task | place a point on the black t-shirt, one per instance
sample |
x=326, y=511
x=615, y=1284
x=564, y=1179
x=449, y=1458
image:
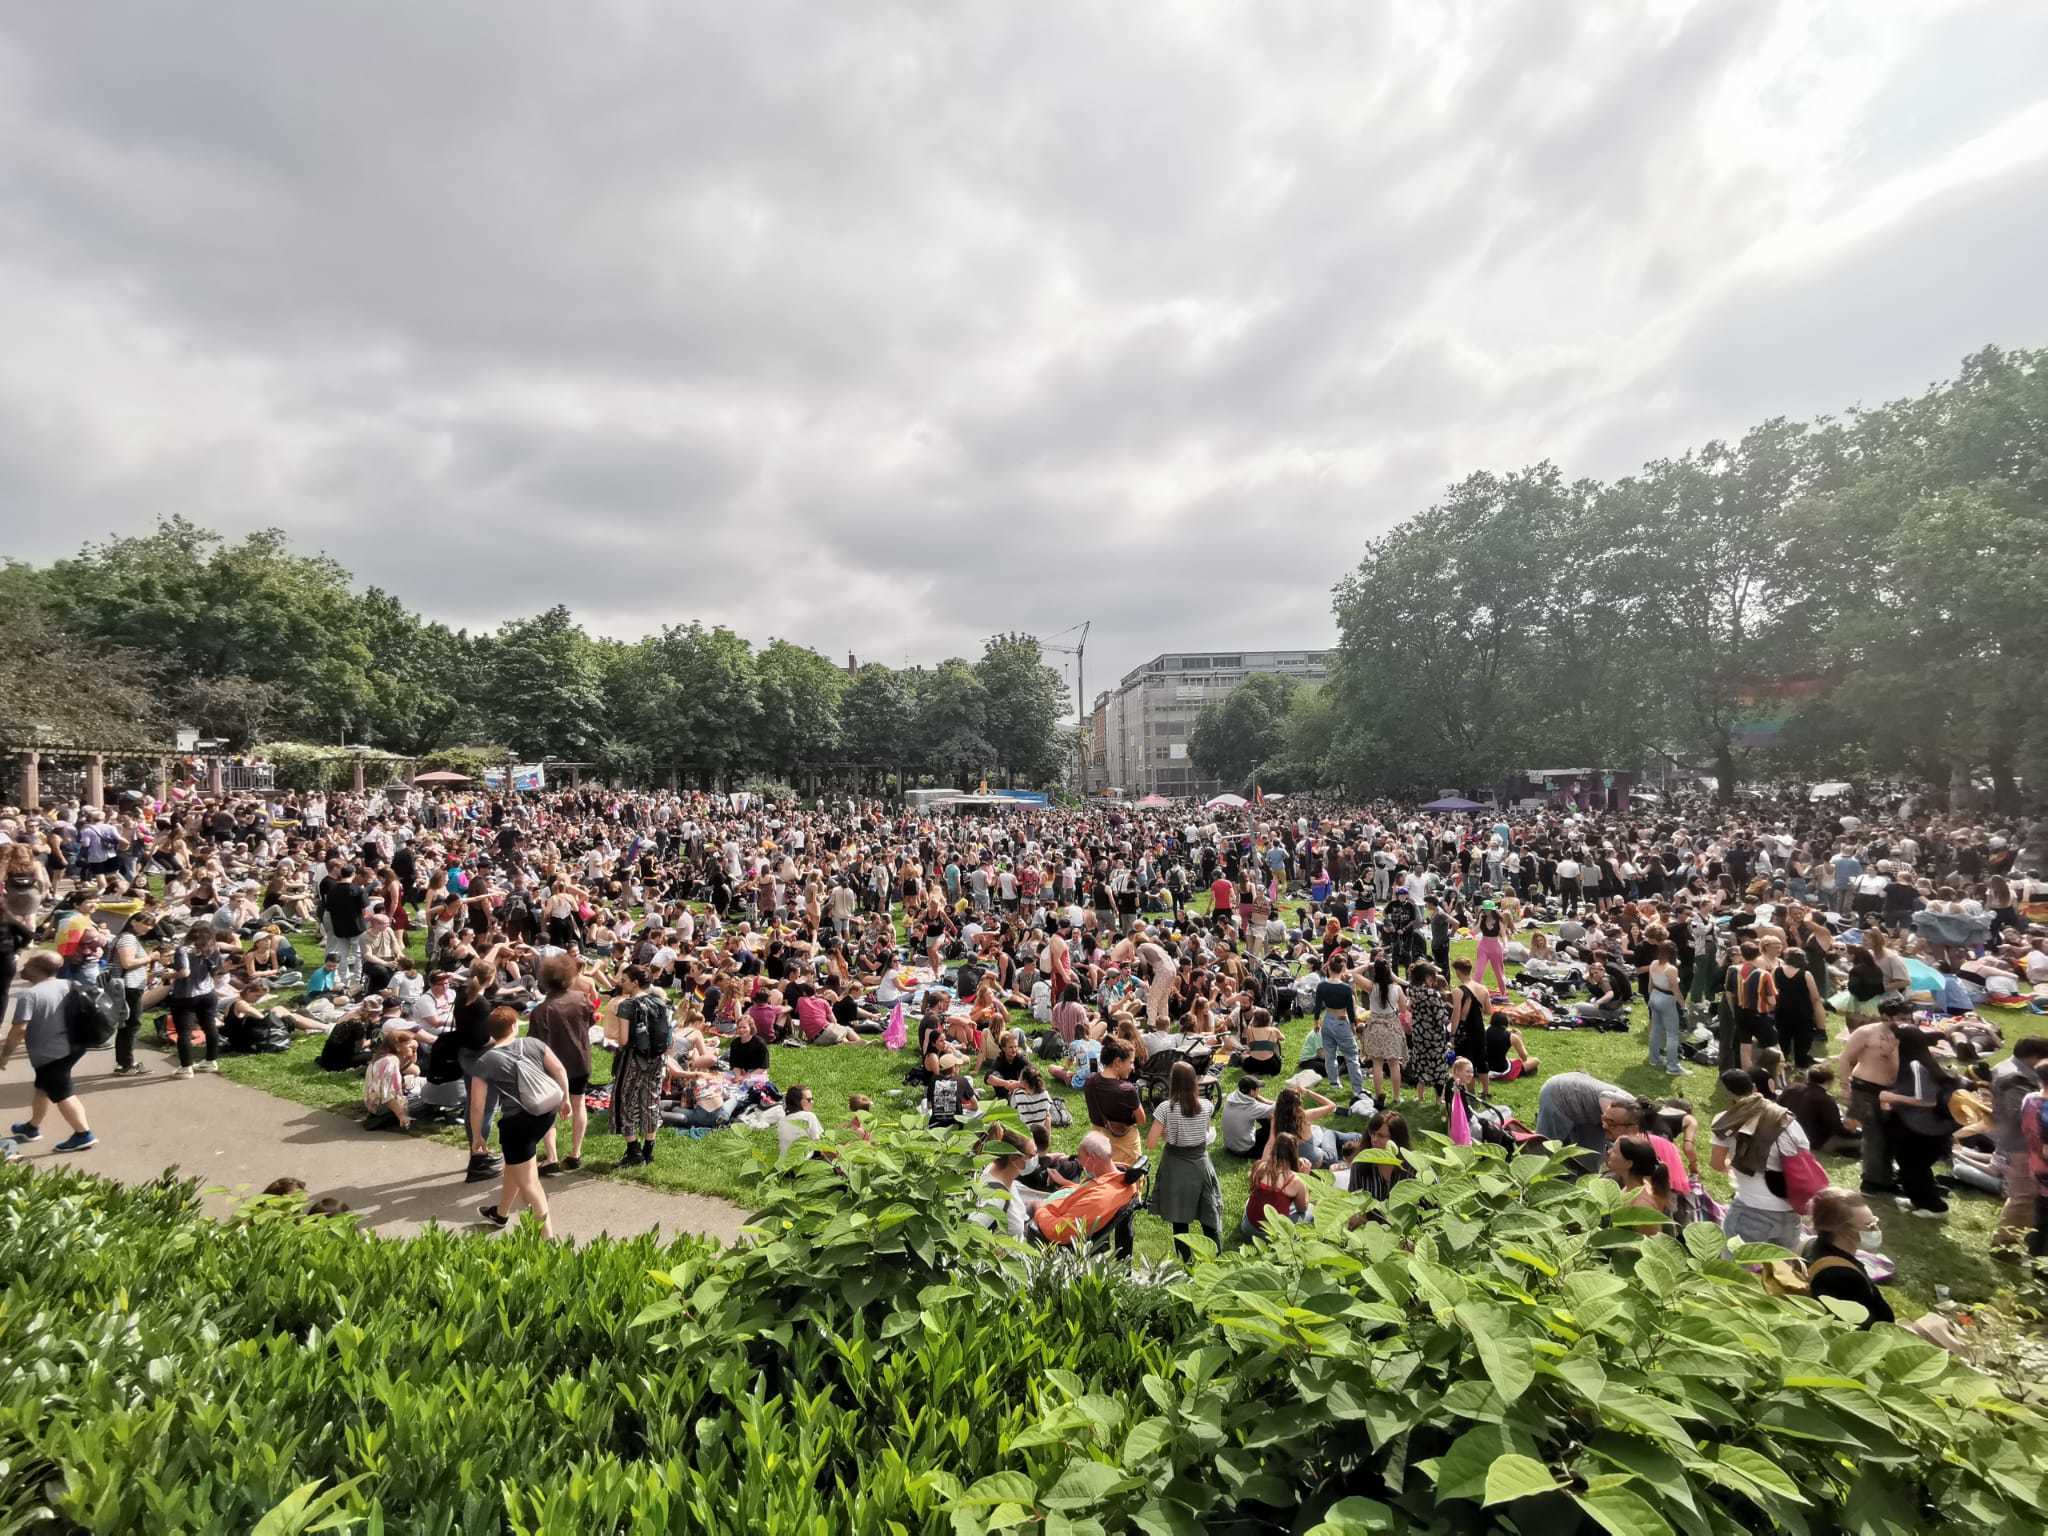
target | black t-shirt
x=473, y=1023
x=345, y=909
x=749, y=1055
x=1846, y=1282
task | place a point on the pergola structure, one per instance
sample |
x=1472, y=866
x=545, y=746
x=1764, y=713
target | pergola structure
x=94, y=759
x=218, y=768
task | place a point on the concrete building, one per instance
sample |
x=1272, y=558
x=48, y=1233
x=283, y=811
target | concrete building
x=1151, y=712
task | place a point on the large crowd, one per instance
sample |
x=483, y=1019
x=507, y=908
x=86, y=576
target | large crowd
x=1824, y=962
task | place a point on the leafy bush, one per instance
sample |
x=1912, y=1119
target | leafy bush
x=472, y=761
x=301, y=765
x=1501, y=1350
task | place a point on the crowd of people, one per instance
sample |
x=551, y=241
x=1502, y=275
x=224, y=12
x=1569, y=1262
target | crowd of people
x=1824, y=964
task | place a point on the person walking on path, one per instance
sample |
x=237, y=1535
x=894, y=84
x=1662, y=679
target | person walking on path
x=41, y=1008
x=531, y=1087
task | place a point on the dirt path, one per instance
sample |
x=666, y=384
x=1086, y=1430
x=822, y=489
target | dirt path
x=241, y=1138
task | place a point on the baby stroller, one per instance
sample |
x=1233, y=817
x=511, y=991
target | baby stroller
x=1274, y=990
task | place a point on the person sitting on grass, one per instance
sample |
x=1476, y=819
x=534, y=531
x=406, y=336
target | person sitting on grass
x=1276, y=1186
x=1100, y=1207
x=1633, y=1163
x=1507, y=1057
x=949, y=1097
x=1005, y=1073
x=391, y=1086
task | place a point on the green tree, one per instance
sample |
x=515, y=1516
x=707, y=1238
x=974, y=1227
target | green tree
x=211, y=610
x=544, y=686
x=952, y=722
x=1024, y=700
x=876, y=718
x=1235, y=735
x=797, y=729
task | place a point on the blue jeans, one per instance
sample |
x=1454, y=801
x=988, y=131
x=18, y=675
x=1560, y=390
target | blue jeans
x=1340, y=1044
x=1667, y=1027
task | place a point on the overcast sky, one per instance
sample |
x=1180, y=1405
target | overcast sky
x=886, y=327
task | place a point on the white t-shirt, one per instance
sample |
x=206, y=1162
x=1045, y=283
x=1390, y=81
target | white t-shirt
x=792, y=1129
x=1567, y=869
x=1750, y=1188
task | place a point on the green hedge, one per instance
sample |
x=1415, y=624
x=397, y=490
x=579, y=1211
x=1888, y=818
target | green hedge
x=1501, y=1350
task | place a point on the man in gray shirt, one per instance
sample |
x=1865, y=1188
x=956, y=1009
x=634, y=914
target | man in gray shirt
x=1243, y=1113
x=1568, y=1109
x=39, y=1006
x=2011, y=1082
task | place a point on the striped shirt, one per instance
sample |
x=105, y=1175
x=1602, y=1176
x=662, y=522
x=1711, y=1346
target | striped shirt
x=1186, y=1130
x=1032, y=1108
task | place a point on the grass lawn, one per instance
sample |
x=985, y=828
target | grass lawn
x=1954, y=1252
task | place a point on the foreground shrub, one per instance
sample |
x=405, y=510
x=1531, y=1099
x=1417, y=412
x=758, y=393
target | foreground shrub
x=1499, y=1349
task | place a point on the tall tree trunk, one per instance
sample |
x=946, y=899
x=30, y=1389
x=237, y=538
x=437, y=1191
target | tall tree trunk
x=1962, y=792
x=2005, y=789
x=1724, y=772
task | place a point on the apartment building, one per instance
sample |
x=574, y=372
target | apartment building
x=1147, y=718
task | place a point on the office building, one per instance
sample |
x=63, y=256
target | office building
x=1148, y=717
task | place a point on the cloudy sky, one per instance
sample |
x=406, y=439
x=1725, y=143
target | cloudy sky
x=883, y=327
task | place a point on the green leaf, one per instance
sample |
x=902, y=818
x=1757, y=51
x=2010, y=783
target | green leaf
x=1461, y=1471
x=1704, y=1240
x=1534, y=1260
x=1083, y=1484
x=1148, y=1437
x=1623, y=1512
x=1164, y=1517
x=1355, y=1516
x=1516, y=1477
x=1760, y=1253
x=1758, y=1470
x=1507, y=1360
x=305, y=1510
x=1003, y=1516
x=1000, y=1488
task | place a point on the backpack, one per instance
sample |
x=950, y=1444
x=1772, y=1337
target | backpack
x=649, y=1026
x=91, y=1017
x=444, y=1058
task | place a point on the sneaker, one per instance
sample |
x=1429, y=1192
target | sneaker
x=1868, y=1188
x=206, y=1066
x=550, y=1170
x=494, y=1216
x=133, y=1069
x=78, y=1143
x=23, y=1131
x=1926, y=1212
x=481, y=1168
x=182, y=1072
x=571, y=1164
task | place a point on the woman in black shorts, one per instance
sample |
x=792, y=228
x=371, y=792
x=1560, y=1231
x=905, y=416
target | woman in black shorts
x=532, y=1088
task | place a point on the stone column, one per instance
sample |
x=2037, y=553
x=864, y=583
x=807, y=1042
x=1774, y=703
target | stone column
x=31, y=781
x=359, y=775
x=575, y=777
x=216, y=777
x=96, y=781
x=163, y=779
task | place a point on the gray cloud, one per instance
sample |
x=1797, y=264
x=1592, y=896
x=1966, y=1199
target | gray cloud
x=886, y=330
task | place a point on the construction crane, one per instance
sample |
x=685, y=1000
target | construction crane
x=1079, y=651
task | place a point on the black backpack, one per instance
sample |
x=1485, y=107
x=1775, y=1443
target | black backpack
x=649, y=1024
x=91, y=1016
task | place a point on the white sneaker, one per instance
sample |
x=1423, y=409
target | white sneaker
x=207, y=1066
x=182, y=1072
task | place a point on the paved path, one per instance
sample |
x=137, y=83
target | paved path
x=223, y=1133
